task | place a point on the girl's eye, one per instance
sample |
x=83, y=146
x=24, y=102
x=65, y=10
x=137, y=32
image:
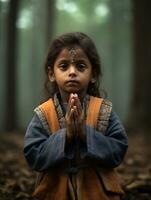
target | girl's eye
x=81, y=66
x=63, y=66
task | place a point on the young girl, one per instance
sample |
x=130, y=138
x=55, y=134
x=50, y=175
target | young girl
x=75, y=140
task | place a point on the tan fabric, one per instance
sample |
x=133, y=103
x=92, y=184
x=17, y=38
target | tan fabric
x=49, y=112
x=93, y=111
x=53, y=186
x=110, y=180
x=89, y=183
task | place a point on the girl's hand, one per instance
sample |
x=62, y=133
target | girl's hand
x=74, y=118
x=70, y=118
x=78, y=117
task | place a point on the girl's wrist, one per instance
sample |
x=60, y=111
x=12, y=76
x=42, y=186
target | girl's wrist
x=81, y=133
x=69, y=136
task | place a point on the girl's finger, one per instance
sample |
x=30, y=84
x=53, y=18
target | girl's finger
x=76, y=115
x=78, y=104
x=70, y=103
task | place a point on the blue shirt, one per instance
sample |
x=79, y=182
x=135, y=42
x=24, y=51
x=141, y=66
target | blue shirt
x=43, y=150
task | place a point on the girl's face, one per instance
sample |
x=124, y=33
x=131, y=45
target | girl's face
x=72, y=72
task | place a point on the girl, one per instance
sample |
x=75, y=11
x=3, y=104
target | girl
x=75, y=140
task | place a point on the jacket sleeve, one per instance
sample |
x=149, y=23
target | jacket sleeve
x=109, y=148
x=42, y=149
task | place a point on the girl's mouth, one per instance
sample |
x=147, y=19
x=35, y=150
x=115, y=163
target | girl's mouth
x=73, y=82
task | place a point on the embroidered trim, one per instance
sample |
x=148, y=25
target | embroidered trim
x=42, y=119
x=59, y=110
x=60, y=113
x=104, y=116
x=103, y=119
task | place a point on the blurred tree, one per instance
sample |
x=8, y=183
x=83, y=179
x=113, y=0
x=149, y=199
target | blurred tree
x=4, y=8
x=36, y=26
x=141, y=101
x=11, y=43
x=41, y=35
x=119, y=54
x=49, y=20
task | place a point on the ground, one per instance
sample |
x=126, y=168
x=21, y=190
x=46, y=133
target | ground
x=17, y=180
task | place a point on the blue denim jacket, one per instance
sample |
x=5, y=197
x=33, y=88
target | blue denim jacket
x=43, y=150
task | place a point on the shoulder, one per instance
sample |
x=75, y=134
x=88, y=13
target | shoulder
x=42, y=111
x=105, y=113
x=115, y=121
x=46, y=105
x=35, y=127
x=106, y=106
x=104, y=102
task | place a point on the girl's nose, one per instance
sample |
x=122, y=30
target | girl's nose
x=72, y=70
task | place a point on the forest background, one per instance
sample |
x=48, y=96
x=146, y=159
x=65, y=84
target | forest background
x=122, y=33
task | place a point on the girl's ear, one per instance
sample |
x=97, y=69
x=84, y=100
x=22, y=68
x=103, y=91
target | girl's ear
x=93, y=80
x=51, y=76
x=93, y=77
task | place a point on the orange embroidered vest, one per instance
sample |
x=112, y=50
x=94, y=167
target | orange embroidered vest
x=91, y=184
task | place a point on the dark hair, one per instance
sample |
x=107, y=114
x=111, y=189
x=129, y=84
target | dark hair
x=88, y=46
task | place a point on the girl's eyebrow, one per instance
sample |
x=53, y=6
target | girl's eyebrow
x=82, y=59
x=76, y=60
x=63, y=59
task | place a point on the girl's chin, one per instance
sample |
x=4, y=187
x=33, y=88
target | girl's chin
x=73, y=90
x=79, y=93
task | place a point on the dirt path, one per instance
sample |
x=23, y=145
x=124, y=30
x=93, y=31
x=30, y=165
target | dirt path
x=136, y=168
x=16, y=179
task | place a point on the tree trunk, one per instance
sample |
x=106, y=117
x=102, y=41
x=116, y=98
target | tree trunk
x=49, y=21
x=141, y=101
x=10, y=102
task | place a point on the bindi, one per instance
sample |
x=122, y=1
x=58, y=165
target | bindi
x=73, y=54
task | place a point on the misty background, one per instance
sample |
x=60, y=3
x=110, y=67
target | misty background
x=121, y=31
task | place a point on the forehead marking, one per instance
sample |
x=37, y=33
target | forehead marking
x=73, y=54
